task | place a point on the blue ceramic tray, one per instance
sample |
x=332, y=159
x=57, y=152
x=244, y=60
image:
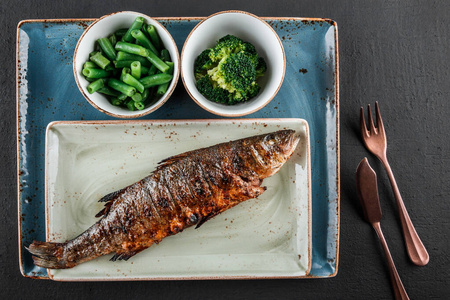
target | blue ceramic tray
x=46, y=92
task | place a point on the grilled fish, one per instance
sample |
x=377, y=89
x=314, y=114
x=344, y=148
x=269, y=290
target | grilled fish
x=184, y=190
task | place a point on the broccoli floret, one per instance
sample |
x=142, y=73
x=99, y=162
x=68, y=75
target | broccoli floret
x=206, y=87
x=203, y=62
x=234, y=73
x=227, y=72
x=261, y=67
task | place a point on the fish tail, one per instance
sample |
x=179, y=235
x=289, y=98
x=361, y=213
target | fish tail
x=48, y=255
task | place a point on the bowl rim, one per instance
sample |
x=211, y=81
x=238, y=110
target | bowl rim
x=138, y=114
x=262, y=104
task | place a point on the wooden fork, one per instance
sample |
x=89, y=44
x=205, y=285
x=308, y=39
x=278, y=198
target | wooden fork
x=375, y=141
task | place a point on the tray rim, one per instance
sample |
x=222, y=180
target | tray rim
x=183, y=121
x=337, y=103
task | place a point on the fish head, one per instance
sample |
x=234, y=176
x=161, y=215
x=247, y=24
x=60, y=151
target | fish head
x=274, y=149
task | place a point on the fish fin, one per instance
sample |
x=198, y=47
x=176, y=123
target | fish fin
x=125, y=255
x=109, y=199
x=170, y=160
x=48, y=255
x=111, y=196
x=206, y=218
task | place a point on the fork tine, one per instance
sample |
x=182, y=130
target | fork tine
x=364, y=132
x=380, y=125
x=372, y=126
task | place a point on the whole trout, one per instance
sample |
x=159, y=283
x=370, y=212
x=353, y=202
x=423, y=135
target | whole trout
x=184, y=190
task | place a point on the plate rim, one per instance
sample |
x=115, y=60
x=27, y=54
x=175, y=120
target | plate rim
x=330, y=21
x=151, y=122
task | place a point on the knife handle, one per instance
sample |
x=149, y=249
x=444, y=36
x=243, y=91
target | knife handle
x=397, y=285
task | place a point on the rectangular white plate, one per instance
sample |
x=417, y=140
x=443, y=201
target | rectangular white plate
x=267, y=237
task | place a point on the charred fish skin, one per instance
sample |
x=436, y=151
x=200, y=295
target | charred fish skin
x=184, y=190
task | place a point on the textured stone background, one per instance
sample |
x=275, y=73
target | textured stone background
x=394, y=52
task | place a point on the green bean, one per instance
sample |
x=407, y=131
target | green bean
x=90, y=64
x=136, y=69
x=132, y=48
x=137, y=97
x=137, y=24
x=113, y=39
x=122, y=97
x=162, y=66
x=107, y=91
x=122, y=87
x=94, y=86
x=124, y=71
x=130, y=80
x=127, y=56
x=116, y=101
x=145, y=95
x=130, y=105
x=154, y=36
x=95, y=73
x=152, y=70
x=121, y=32
x=165, y=55
x=100, y=60
x=154, y=80
x=139, y=105
x=143, y=40
x=107, y=47
x=162, y=88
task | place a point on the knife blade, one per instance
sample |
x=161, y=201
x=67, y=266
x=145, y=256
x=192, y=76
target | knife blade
x=366, y=183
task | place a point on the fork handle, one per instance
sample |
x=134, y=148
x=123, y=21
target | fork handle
x=397, y=285
x=415, y=248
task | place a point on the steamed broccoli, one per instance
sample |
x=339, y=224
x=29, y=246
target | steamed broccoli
x=227, y=73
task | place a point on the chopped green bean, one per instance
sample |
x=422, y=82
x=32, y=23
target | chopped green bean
x=137, y=97
x=122, y=87
x=107, y=91
x=95, y=73
x=127, y=56
x=107, y=47
x=113, y=39
x=137, y=24
x=154, y=80
x=122, y=97
x=162, y=88
x=121, y=32
x=116, y=101
x=96, y=85
x=130, y=80
x=145, y=95
x=162, y=66
x=154, y=36
x=90, y=64
x=100, y=60
x=143, y=40
x=124, y=71
x=152, y=70
x=136, y=69
x=130, y=105
x=139, y=105
x=165, y=55
x=132, y=48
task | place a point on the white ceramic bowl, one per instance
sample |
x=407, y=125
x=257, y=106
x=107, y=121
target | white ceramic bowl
x=250, y=28
x=103, y=27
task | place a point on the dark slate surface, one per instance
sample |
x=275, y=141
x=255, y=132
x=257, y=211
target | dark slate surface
x=390, y=51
